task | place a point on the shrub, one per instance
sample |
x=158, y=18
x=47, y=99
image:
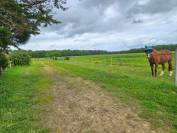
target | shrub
x=54, y=58
x=20, y=58
x=4, y=60
x=66, y=58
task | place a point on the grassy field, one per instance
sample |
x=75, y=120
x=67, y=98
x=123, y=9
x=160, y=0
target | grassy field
x=23, y=91
x=128, y=77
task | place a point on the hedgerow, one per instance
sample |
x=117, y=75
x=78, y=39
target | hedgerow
x=20, y=58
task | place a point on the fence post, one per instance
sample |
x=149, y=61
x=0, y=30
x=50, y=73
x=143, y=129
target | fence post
x=176, y=67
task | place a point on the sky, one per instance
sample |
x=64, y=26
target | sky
x=111, y=25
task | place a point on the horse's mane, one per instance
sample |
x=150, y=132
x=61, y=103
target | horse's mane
x=155, y=52
x=161, y=51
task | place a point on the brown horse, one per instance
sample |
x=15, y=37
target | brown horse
x=159, y=57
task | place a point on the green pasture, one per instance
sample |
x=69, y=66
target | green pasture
x=23, y=91
x=128, y=77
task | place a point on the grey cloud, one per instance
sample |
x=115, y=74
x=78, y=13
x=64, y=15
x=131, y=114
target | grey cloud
x=152, y=7
x=111, y=24
x=90, y=17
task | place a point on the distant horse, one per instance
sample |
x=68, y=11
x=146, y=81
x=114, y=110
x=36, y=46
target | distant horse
x=159, y=57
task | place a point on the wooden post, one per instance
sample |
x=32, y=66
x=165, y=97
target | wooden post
x=176, y=67
x=10, y=64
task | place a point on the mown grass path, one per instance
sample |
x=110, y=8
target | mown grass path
x=81, y=106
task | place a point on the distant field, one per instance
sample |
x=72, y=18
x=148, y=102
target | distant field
x=128, y=77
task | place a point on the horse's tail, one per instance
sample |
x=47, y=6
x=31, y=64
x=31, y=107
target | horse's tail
x=170, y=65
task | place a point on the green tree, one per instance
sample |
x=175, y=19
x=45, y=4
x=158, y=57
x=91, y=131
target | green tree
x=19, y=19
x=5, y=39
x=25, y=17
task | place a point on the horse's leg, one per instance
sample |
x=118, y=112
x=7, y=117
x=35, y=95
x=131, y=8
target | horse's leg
x=152, y=69
x=156, y=66
x=163, y=69
x=170, y=68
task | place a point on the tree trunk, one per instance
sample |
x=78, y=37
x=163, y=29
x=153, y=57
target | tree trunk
x=1, y=70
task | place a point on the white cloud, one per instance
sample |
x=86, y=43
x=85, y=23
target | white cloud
x=143, y=2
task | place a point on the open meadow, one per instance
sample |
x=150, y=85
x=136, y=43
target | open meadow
x=128, y=77
x=26, y=91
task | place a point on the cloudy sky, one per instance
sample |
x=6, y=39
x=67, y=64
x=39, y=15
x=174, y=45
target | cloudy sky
x=110, y=25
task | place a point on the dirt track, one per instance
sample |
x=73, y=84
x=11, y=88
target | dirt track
x=81, y=106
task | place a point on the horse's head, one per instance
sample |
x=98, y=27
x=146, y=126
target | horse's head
x=148, y=50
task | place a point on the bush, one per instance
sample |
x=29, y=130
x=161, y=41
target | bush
x=54, y=58
x=66, y=58
x=20, y=58
x=4, y=61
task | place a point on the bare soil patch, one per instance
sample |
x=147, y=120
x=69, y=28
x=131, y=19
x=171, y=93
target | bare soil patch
x=81, y=106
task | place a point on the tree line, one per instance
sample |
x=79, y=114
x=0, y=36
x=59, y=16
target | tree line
x=170, y=47
x=62, y=53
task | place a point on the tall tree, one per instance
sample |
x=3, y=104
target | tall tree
x=23, y=18
x=5, y=39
